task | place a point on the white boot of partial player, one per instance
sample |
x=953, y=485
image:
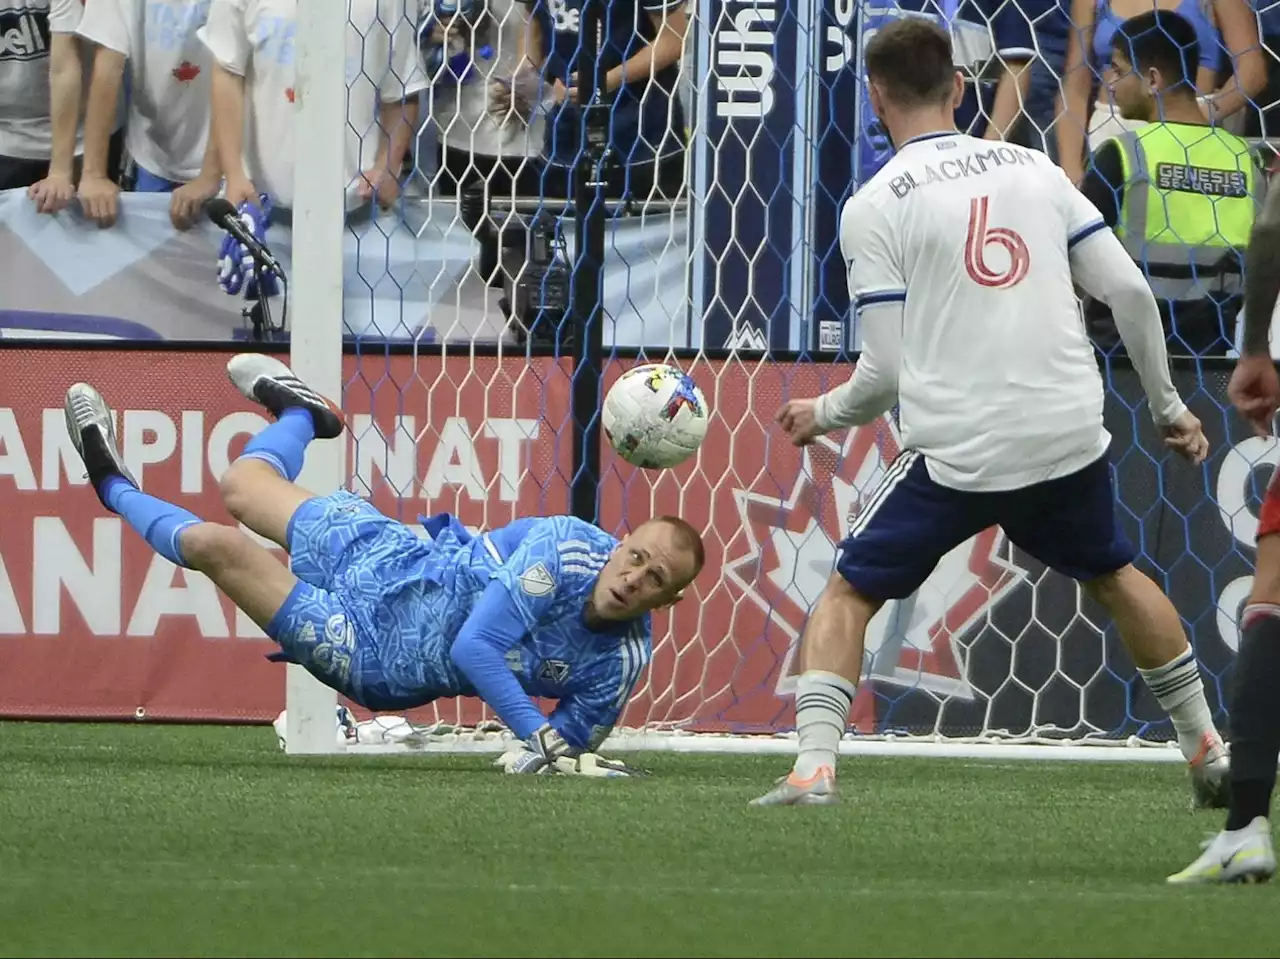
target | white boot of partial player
x=1242, y=855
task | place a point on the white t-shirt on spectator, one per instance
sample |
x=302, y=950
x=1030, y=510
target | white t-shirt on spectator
x=255, y=39
x=168, y=118
x=461, y=111
x=26, y=39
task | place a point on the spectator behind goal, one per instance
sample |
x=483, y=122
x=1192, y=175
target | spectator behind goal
x=1181, y=193
x=465, y=48
x=1218, y=25
x=41, y=89
x=167, y=129
x=1030, y=40
x=641, y=48
x=252, y=45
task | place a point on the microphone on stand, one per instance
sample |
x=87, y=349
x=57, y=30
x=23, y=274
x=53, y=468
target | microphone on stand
x=224, y=215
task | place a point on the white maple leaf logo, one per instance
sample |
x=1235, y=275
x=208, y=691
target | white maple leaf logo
x=918, y=642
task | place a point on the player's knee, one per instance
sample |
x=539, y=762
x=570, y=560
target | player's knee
x=1114, y=588
x=212, y=546
x=237, y=485
x=1109, y=586
x=842, y=592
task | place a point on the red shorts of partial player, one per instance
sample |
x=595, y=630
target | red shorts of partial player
x=1269, y=516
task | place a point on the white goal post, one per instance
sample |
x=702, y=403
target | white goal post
x=994, y=657
x=315, y=347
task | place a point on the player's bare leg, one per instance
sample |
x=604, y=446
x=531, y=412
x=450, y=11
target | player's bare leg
x=260, y=498
x=258, y=488
x=250, y=575
x=831, y=651
x=1152, y=632
x=254, y=579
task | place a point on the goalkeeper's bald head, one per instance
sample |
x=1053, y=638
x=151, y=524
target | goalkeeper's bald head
x=649, y=569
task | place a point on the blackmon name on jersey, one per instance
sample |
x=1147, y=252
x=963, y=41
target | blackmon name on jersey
x=943, y=171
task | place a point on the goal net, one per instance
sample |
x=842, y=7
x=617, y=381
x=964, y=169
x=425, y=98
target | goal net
x=469, y=338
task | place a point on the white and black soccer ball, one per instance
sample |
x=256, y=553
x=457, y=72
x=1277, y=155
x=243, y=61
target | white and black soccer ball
x=655, y=416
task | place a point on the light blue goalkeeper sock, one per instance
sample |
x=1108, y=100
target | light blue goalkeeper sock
x=283, y=444
x=156, y=521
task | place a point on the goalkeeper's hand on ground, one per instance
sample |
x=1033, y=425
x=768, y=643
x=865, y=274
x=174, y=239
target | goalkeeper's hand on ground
x=592, y=764
x=538, y=753
x=522, y=758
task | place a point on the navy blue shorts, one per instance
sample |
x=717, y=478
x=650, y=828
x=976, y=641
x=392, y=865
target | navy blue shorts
x=910, y=522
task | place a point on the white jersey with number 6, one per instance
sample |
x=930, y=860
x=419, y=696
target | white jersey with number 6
x=998, y=386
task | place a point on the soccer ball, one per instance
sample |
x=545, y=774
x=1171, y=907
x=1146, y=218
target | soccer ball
x=655, y=416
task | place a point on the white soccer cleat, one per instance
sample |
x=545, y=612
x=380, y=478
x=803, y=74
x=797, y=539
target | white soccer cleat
x=270, y=383
x=1210, y=773
x=1245, y=855
x=93, y=434
x=793, y=790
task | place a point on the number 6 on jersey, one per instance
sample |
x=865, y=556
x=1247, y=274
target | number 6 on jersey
x=982, y=238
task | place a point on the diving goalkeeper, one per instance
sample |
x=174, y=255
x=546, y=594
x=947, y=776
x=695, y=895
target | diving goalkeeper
x=549, y=607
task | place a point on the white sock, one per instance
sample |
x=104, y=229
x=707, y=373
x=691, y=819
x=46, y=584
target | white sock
x=1180, y=691
x=822, y=715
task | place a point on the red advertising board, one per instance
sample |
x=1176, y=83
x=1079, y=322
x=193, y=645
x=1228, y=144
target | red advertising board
x=94, y=625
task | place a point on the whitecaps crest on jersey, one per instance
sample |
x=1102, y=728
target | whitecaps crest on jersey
x=918, y=642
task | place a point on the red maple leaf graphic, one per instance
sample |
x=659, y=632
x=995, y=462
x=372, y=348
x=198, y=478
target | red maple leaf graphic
x=186, y=71
x=288, y=94
x=857, y=466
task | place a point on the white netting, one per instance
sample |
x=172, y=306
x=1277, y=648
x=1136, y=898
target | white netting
x=459, y=392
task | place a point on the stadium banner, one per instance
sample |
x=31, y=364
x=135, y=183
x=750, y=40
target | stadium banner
x=835, y=140
x=746, y=164
x=407, y=275
x=93, y=625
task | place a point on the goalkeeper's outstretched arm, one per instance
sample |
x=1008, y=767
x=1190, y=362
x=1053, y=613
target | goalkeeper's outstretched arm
x=494, y=626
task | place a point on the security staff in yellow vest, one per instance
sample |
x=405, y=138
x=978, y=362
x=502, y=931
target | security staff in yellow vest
x=1180, y=193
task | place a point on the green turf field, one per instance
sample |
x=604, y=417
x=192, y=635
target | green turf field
x=124, y=840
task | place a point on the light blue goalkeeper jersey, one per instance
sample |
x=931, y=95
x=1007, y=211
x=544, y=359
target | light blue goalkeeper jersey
x=541, y=572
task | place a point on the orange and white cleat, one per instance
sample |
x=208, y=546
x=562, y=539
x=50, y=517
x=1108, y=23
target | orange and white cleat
x=1210, y=773
x=818, y=789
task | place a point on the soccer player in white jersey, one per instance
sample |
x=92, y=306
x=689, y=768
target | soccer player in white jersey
x=253, y=46
x=962, y=255
x=167, y=130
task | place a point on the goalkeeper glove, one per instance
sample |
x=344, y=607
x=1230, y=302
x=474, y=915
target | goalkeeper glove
x=236, y=265
x=583, y=764
x=594, y=765
x=540, y=752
